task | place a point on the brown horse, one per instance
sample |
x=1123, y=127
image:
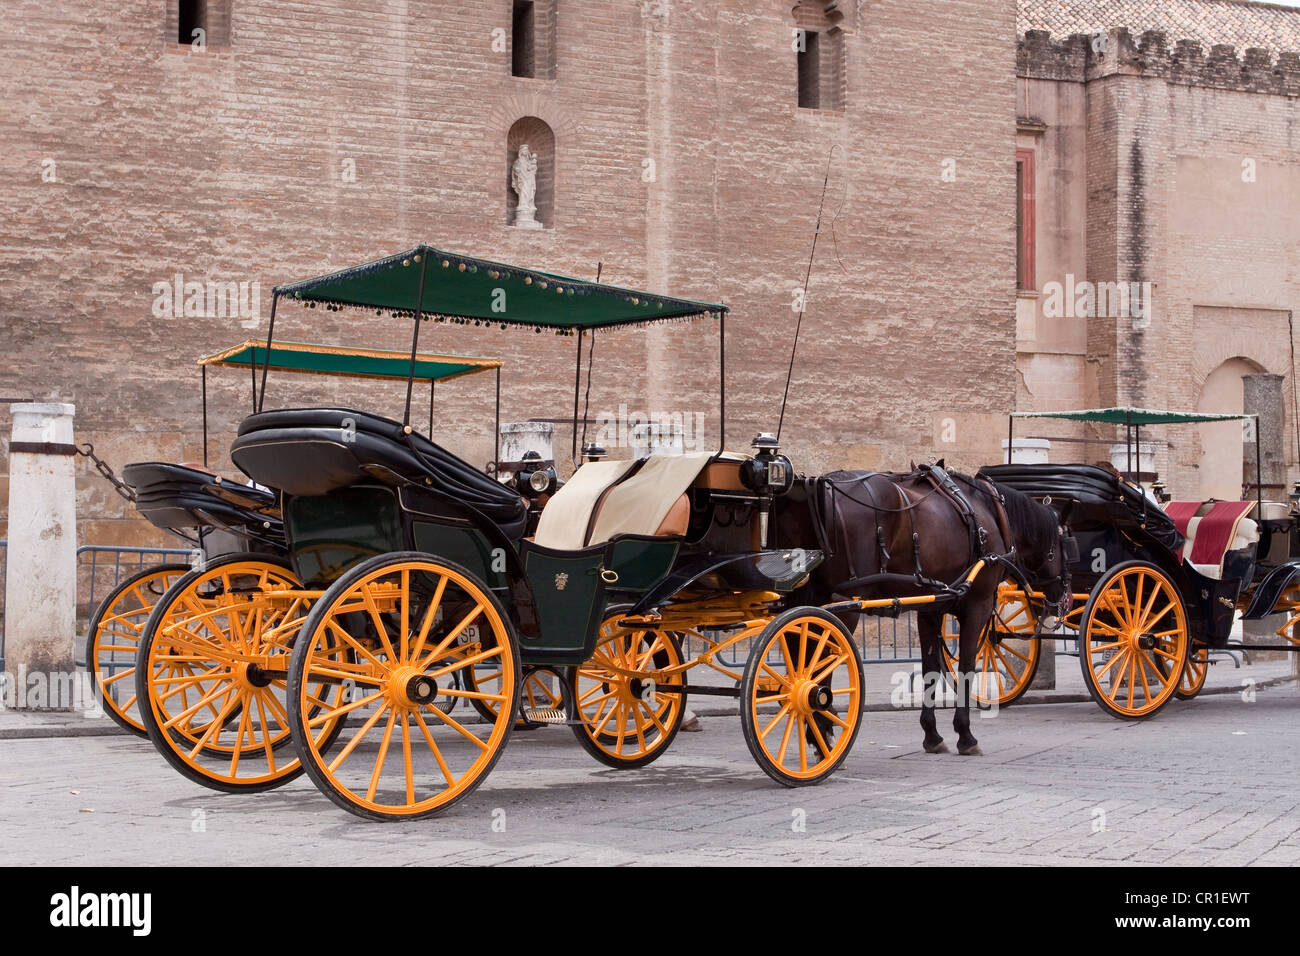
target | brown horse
x=901, y=535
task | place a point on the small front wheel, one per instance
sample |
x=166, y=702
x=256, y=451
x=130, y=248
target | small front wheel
x=801, y=696
x=1198, y=665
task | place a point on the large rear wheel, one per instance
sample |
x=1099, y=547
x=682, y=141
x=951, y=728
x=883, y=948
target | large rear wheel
x=1133, y=640
x=113, y=641
x=402, y=756
x=1006, y=657
x=211, y=673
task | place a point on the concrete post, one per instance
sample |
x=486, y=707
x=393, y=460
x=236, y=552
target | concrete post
x=41, y=566
x=518, y=438
x=1262, y=395
x=1027, y=451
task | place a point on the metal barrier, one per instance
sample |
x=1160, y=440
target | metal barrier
x=124, y=562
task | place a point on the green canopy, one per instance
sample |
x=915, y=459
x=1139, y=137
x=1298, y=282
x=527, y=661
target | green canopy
x=460, y=288
x=1124, y=415
x=351, y=362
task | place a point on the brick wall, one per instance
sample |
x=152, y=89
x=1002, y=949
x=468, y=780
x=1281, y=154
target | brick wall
x=235, y=165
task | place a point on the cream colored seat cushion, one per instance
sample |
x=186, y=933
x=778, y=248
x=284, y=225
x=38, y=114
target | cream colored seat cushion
x=640, y=504
x=564, y=521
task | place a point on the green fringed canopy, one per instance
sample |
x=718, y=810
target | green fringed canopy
x=350, y=362
x=462, y=289
x=1123, y=415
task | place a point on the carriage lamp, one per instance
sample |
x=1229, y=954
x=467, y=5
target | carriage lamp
x=593, y=452
x=1294, y=497
x=533, y=480
x=768, y=472
x=1162, y=494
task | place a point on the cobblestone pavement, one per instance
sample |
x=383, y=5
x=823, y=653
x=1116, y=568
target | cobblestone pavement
x=1210, y=781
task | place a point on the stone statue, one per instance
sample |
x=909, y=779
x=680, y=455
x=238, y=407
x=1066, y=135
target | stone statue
x=523, y=180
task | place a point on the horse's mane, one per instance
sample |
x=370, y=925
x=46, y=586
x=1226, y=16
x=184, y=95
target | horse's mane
x=1036, y=521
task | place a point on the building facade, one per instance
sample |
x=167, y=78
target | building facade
x=220, y=147
x=1159, y=154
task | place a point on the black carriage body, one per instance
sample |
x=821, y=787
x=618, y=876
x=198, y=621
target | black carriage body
x=356, y=485
x=1113, y=522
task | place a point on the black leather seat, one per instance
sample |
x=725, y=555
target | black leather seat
x=1090, y=486
x=174, y=496
x=314, y=451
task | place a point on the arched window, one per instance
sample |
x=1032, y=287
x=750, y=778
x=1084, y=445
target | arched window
x=819, y=54
x=530, y=165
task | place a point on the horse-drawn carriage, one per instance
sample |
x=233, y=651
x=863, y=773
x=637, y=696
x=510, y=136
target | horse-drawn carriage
x=384, y=655
x=1155, y=587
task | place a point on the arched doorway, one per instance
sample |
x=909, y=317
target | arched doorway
x=1220, y=467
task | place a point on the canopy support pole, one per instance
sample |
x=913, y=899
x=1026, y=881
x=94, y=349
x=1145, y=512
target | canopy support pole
x=577, y=384
x=432, y=384
x=1011, y=425
x=496, y=427
x=415, y=337
x=203, y=376
x=259, y=398
x=722, y=382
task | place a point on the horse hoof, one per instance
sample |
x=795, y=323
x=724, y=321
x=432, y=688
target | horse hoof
x=970, y=751
x=937, y=748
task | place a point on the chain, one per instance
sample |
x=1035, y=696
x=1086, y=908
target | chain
x=121, y=487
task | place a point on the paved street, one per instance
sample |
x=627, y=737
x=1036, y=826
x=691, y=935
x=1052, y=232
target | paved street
x=1211, y=781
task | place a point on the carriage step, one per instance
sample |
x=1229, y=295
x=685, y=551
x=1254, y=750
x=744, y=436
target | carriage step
x=544, y=715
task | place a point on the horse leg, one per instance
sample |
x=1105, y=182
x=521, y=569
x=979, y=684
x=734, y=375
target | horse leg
x=973, y=617
x=928, y=626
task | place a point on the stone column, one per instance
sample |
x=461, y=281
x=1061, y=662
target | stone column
x=41, y=564
x=518, y=438
x=1262, y=396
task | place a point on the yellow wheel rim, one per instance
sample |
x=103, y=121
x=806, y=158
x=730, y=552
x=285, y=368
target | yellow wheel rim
x=624, y=717
x=116, y=642
x=219, y=712
x=805, y=662
x=405, y=625
x=1134, y=643
x=1003, y=667
x=1193, y=679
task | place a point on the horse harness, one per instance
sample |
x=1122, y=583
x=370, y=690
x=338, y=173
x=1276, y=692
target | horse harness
x=943, y=484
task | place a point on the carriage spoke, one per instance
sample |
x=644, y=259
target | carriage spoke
x=433, y=748
x=357, y=738
x=383, y=752
x=456, y=726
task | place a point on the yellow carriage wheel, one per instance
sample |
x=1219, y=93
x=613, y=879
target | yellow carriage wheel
x=1133, y=640
x=113, y=640
x=211, y=673
x=627, y=717
x=1006, y=657
x=401, y=755
x=801, y=696
x=1193, y=679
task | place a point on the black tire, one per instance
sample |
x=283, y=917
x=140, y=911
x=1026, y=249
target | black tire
x=312, y=757
x=777, y=629
x=168, y=742
x=168, y=573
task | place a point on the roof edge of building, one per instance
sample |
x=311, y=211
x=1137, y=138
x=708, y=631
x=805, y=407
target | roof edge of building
x=1082, y=57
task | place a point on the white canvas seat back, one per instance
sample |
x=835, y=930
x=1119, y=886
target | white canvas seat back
x=566, y=517
x=640, y=504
